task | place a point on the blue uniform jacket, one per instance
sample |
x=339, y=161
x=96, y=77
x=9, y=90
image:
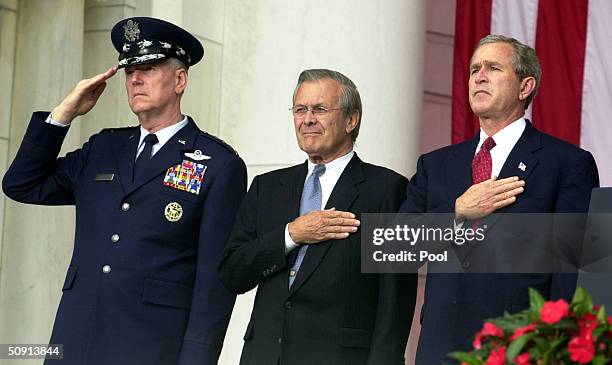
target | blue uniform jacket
x=142, y=286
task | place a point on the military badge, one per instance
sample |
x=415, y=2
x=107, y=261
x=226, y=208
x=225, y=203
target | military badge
x=197, y=155
x=132, y=32
x=173, y=212
x=187, y=176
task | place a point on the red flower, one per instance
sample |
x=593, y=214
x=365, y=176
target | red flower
x=522, y=330
x=586, y=324
x=497, y=357
x=581, y=350
x=553, y=312
x=488, y=329
x=522, y=359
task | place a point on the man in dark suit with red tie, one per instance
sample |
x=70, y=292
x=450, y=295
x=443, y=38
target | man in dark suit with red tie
x=154, y=206
x=509, y=167
x=296, y=238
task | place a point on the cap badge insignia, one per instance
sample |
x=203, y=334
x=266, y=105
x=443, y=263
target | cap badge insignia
x=132, y=32
x=187, y=176
x=197, y=155
x=144, y=44
x=173, y=212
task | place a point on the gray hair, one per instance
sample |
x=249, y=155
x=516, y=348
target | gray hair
x=176, y=63
x=524, y=60
x=349, y=98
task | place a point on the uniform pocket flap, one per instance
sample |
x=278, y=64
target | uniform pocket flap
x=355, y=337
x=167, y=293
x=70, y=275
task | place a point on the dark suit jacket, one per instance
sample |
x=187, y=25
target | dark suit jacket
x=333, y=313
x=558, y=177
x=162, y=301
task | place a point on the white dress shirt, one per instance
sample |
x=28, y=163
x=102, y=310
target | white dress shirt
x=328, y=180
x=504, y=143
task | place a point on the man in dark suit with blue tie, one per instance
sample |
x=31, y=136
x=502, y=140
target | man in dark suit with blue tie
x=509, y=167
x=296, y=238
x=154, y=207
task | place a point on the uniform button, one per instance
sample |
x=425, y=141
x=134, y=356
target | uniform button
x=292, y=272
x=106, y=269
x=288, y=305
x=466, y=265
x=115, y=238
x=125, y=206
x=280, y=340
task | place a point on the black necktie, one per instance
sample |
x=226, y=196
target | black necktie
x=145, y=155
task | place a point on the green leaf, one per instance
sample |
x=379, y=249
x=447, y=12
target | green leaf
x=582, y=301
x=599, y=360
x=517, y=345
x=536, y=300
x=601, y=314
x=465, y=357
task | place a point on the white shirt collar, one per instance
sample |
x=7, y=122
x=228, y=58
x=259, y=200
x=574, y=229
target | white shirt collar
x=163, y=135
x=334, y=166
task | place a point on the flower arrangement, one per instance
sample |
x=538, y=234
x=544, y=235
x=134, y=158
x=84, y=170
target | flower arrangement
x=548, y=333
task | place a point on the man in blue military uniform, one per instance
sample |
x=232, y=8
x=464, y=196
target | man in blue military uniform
x=155, y=204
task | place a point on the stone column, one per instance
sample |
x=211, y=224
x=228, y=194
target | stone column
x=37, y=241
x=8, y=36
x=99, y=55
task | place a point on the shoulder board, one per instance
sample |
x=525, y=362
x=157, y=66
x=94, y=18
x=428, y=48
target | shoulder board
x=221, y=142
x=119, y=129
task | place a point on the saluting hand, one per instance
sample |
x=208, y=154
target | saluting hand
x=82, y=98
x=322, y=225
x=486, y=197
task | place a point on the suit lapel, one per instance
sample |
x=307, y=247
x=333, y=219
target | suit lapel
x=521, y=161
x=342, y=197
x=170, y=154
x=126, y=156
x=459, y=168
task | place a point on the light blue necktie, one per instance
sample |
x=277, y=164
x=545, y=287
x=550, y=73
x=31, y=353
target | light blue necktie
x=312, y=199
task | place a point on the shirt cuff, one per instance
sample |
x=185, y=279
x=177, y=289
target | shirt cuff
x=55, y=122
x=289, y=244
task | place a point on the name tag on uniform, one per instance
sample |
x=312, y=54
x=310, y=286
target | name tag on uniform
x=104, y=177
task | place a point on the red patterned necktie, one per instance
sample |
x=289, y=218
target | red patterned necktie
x=482, y=164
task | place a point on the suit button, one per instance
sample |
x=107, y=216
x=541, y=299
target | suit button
x=280, y=340
x=466, y=264
x=115, y=238
x=106, y=269
x=288, y=305
x=125, y=206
